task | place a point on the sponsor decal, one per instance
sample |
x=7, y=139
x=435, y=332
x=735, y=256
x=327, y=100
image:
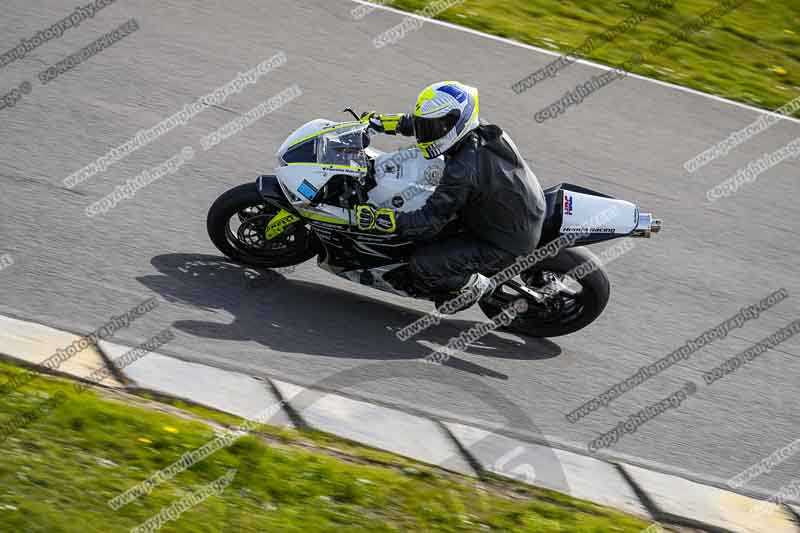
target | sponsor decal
x=585, y=229
x=342, y=169
x=567, y=204
x=433, y=174
x=307, y=190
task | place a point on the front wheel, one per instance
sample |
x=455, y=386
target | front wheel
x=576, y=291
x=237, y=223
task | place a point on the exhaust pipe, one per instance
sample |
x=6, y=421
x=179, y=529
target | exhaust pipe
x=647, y=226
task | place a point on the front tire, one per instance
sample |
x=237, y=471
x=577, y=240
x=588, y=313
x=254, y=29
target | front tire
x=570, y=314
x=247, y=242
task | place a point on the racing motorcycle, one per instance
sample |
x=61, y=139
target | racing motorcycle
x=325, y=169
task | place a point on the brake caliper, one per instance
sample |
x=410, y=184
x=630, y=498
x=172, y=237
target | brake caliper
x=279, y=223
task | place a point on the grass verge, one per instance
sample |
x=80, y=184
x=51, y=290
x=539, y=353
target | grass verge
x=58, y=472
x=751, y=55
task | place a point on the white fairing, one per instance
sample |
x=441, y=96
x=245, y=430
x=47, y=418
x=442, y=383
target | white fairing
x=586, y=213
x=300, y=181
x=404, y=178
x=306, y=130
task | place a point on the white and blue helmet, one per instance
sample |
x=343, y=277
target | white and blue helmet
x=445, y=113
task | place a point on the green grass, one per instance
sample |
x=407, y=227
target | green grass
x=57, y=474
x=751, y=54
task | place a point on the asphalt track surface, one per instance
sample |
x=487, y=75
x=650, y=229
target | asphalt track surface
x=629, y=140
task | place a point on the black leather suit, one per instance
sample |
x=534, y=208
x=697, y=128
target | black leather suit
x=489, y=188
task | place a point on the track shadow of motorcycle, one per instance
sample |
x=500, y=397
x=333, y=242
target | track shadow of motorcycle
x=290, y=315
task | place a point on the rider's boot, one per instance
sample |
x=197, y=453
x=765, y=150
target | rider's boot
x=477, y=287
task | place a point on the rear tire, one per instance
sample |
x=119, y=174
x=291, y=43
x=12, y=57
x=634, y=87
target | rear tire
x=296, y=245
x=586, y=306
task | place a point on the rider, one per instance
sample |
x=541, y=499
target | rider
x=486, y=185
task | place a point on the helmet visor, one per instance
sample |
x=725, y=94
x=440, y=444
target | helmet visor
x=431, y=129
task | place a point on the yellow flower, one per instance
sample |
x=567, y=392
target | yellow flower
x=144, y=440
x=170, y=429
x=780, y=71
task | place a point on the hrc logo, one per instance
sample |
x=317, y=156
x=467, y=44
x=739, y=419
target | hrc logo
x=567, y=204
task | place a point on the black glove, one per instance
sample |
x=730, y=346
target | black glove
x=390, y=124
x=374, y=120
x=406, y=125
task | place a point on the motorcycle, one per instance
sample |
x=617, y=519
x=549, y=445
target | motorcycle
x=326, y=168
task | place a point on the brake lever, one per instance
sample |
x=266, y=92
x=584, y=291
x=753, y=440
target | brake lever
x=348, y=110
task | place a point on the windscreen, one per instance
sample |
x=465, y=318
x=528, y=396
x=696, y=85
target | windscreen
x=344, y=147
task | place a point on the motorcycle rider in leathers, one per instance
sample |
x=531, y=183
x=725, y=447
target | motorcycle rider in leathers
x=486, y=185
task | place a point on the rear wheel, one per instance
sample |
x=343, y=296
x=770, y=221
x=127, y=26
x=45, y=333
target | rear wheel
x=237, y=224
x=572, y=301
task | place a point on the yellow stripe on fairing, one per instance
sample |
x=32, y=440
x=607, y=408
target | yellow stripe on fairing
x=322, y=218
x=344, y=167
x=349, y=124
